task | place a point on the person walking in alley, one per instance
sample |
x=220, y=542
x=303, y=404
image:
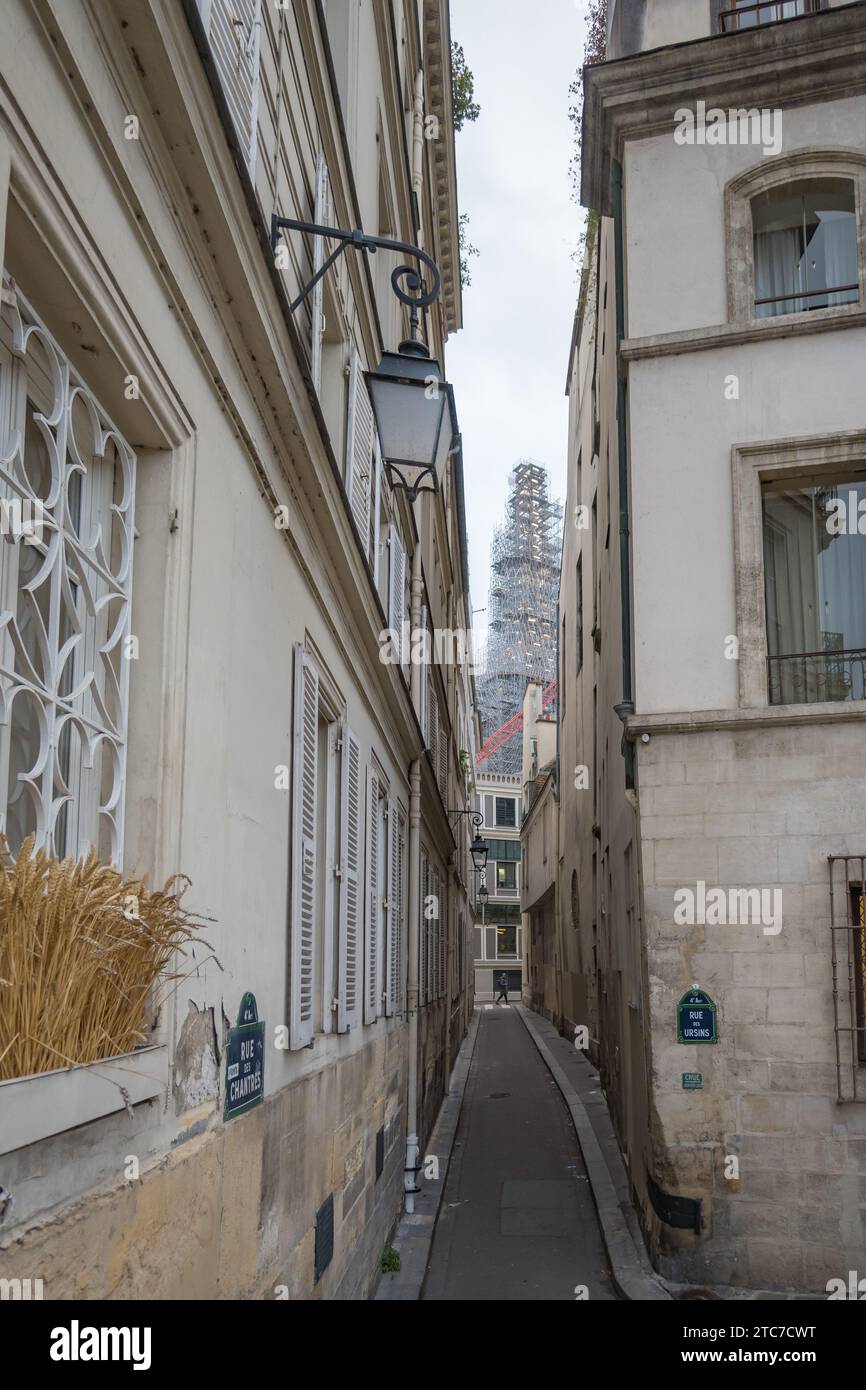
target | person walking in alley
x=503, y=988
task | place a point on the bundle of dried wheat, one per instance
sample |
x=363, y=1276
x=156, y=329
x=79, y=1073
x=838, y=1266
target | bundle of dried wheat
x=81, y=947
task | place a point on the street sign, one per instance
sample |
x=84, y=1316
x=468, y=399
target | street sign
x=696, y=1018
x=693, y=1081
x=245, y=1061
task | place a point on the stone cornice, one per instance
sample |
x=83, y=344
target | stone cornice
x=727, y=335
x=437, y=78
x=741, y=720
x=820, y=57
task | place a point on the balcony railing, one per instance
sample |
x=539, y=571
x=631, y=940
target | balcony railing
x=812, y=677
x=740, y=17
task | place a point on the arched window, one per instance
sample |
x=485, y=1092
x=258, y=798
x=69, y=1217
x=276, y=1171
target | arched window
x=805, y=247
x=795, y=236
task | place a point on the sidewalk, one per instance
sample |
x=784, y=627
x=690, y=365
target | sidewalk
x=517, y=1219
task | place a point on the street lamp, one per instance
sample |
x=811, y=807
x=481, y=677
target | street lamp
x=413, y=404
x=479, y=850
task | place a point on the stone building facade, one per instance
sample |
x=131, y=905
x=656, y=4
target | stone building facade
x=711, y=670
x=260, y=743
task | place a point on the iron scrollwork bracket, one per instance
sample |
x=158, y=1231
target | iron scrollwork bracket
x=416, y=294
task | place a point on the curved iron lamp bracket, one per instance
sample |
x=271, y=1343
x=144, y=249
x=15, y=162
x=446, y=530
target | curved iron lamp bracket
x=416, y=295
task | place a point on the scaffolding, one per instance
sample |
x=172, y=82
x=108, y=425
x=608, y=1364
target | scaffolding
x=522, y=602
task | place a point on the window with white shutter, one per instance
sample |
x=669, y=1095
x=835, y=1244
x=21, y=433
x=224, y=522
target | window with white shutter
x=321, y=216
x=424, y=712
x=424, y=932
x=433, y=939
x=359, y=451
x=375, y=856
x=304, y=850
x=393, y=924
x=233, y=29
x=351, y=887
x=396, y=588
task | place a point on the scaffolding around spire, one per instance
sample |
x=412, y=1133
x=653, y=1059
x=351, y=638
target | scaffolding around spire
x=524, y=587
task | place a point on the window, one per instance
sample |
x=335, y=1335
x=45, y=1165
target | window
x=65, y=592
x=506, y=812
x=815, y=588
x=578, y=626
x=805, y=247
x=506, y=878
x=747, y=14
x=506, y=943
x=848, y=962
x=331, y=895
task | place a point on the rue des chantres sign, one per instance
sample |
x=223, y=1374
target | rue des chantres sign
x=245, y=1061
x=696, y=1018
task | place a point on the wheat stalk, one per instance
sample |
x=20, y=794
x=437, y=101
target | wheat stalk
x=76, y=969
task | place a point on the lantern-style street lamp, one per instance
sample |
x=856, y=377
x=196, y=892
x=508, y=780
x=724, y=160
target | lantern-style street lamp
x=413, y=404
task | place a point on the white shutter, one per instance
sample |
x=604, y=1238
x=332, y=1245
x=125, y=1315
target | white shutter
x=377, y=501
x=359, y=450
x=304, y=785
x=233, y=31
x=392, y=952
x=351, y=886
x=442, y=758
x=374, y=852
x=321, y=215
x=396, y=586
x=423, y=932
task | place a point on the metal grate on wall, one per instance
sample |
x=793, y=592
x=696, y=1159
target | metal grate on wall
x=848, y=953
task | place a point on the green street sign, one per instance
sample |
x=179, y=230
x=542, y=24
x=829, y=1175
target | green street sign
x=696, y=1018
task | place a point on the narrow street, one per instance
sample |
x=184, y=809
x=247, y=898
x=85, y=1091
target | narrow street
x=517, y=1219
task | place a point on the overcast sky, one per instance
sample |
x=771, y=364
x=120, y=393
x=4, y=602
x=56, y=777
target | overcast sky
x=508, y=364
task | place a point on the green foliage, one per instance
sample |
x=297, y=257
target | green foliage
x=462, y=89
x=593, y=52
x=467, y=250
x=390, y=1260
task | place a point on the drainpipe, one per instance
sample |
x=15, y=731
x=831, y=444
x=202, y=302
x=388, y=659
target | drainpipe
x=626, y=705
x=412, y=1154
x=416, y=673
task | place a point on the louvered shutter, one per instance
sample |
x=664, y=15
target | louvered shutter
x=443, y=943
x=442, y=758
x=423, y=932
x=424, y=712
x=399, y=994
x=359, y=450
x=396, y=587
x=377, y=503
x=321, y=216
x=233, y=31
x=351, y=886
x=304, y=786
x=374, y=852
x=432, y=723
x=392, y=951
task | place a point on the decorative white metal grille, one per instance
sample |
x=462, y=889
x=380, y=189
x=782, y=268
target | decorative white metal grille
x=64, y=599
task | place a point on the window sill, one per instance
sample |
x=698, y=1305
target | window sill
x=726, y=335
x=757, y=717
x=37, y=1107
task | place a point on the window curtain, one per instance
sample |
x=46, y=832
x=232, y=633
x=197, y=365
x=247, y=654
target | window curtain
x=835, y=242
x=778, y=271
